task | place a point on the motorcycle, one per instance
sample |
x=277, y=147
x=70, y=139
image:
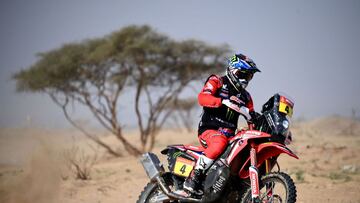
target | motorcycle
x=243, y=173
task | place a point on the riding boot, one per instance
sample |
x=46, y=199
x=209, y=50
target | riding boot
x=193, y=182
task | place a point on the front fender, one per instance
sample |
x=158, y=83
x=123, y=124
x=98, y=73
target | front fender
x=271, y=149
x=265, y=151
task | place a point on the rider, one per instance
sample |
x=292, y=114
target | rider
x=223, y=99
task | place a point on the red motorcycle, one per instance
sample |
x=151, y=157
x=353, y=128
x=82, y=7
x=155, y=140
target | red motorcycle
x=243, y=173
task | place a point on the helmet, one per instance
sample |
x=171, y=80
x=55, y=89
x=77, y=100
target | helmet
x=240, y=71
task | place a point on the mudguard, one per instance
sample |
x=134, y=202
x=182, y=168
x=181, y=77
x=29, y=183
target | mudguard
x=244, y=136
x=265, y=151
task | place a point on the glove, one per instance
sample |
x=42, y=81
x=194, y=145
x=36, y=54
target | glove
x=237, y=105
x=233, y=102
x=232, y=105
x=244, y=111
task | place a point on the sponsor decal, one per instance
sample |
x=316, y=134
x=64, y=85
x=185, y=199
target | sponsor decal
x=231, y=125
x=176, y=154
x=234, y=59
x=224, y=95
x=269, y=118
x=219, y=184
x=250, y=132
x=236, y=99
x=229, y=114
x=254, y=182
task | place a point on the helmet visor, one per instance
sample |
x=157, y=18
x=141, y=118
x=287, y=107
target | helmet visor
x=245, y=75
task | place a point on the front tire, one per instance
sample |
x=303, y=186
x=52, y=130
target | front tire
x=286, y=192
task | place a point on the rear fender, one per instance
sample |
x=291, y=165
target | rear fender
x=178, y=147
x=265, y=151
x=180, y=150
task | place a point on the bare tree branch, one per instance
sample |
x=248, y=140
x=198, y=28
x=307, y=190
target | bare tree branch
x=89, y=135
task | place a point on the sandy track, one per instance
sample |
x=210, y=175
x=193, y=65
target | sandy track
x=32, y=169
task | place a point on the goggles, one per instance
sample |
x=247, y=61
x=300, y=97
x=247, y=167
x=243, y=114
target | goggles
x=244, y=75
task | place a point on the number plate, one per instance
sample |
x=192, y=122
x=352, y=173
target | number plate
x=286, y=106
x=183, y=166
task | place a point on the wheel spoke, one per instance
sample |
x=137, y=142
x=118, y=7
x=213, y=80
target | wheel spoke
x=278, y=190
x=270, y=191
x=273, y=192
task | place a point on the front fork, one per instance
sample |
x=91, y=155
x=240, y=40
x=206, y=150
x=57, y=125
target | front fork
x=254, y=177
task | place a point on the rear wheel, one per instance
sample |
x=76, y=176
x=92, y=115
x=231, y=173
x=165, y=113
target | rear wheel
x=274, y=187
x=152, y=192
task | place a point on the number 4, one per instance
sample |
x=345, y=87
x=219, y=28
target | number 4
x=287, y=109
x=182, y=169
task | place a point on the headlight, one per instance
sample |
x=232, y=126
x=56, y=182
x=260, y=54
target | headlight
x=285, y=124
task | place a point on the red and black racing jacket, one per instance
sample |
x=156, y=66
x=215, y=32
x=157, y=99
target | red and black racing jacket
x=216, y=115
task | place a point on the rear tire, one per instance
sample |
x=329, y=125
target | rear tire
x=277, y=178
x=152, y=189
x=149, y=190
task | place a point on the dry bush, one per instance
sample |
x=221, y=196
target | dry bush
x=79, y=162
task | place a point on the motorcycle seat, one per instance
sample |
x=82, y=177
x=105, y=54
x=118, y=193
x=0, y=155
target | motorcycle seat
x=194, y=148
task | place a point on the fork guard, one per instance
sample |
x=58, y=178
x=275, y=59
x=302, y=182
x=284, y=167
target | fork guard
x=265, y=151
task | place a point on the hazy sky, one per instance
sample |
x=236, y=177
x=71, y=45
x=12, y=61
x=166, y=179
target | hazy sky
x=308, y=49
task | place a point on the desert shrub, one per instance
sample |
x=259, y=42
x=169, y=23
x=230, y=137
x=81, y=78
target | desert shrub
x=339, y=176
x=79, y=162
x=299, y=175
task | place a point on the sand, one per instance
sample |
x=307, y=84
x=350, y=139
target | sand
x=33, y=167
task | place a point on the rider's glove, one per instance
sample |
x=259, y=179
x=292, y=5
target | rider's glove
x=237, y=105
x=232, y=105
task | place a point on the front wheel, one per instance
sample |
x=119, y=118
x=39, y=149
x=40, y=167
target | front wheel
x=274, y=187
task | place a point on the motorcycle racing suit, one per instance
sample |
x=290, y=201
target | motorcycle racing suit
x=218, y=122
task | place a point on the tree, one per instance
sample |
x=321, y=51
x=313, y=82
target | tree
x=183, y=109
x=95, y=72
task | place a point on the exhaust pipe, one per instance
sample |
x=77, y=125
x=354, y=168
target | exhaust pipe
x=152, y=165
x=154, y=169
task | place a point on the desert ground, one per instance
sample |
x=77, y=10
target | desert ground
x=34, y=164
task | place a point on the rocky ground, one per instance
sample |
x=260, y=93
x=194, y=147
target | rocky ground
x=33, y=164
